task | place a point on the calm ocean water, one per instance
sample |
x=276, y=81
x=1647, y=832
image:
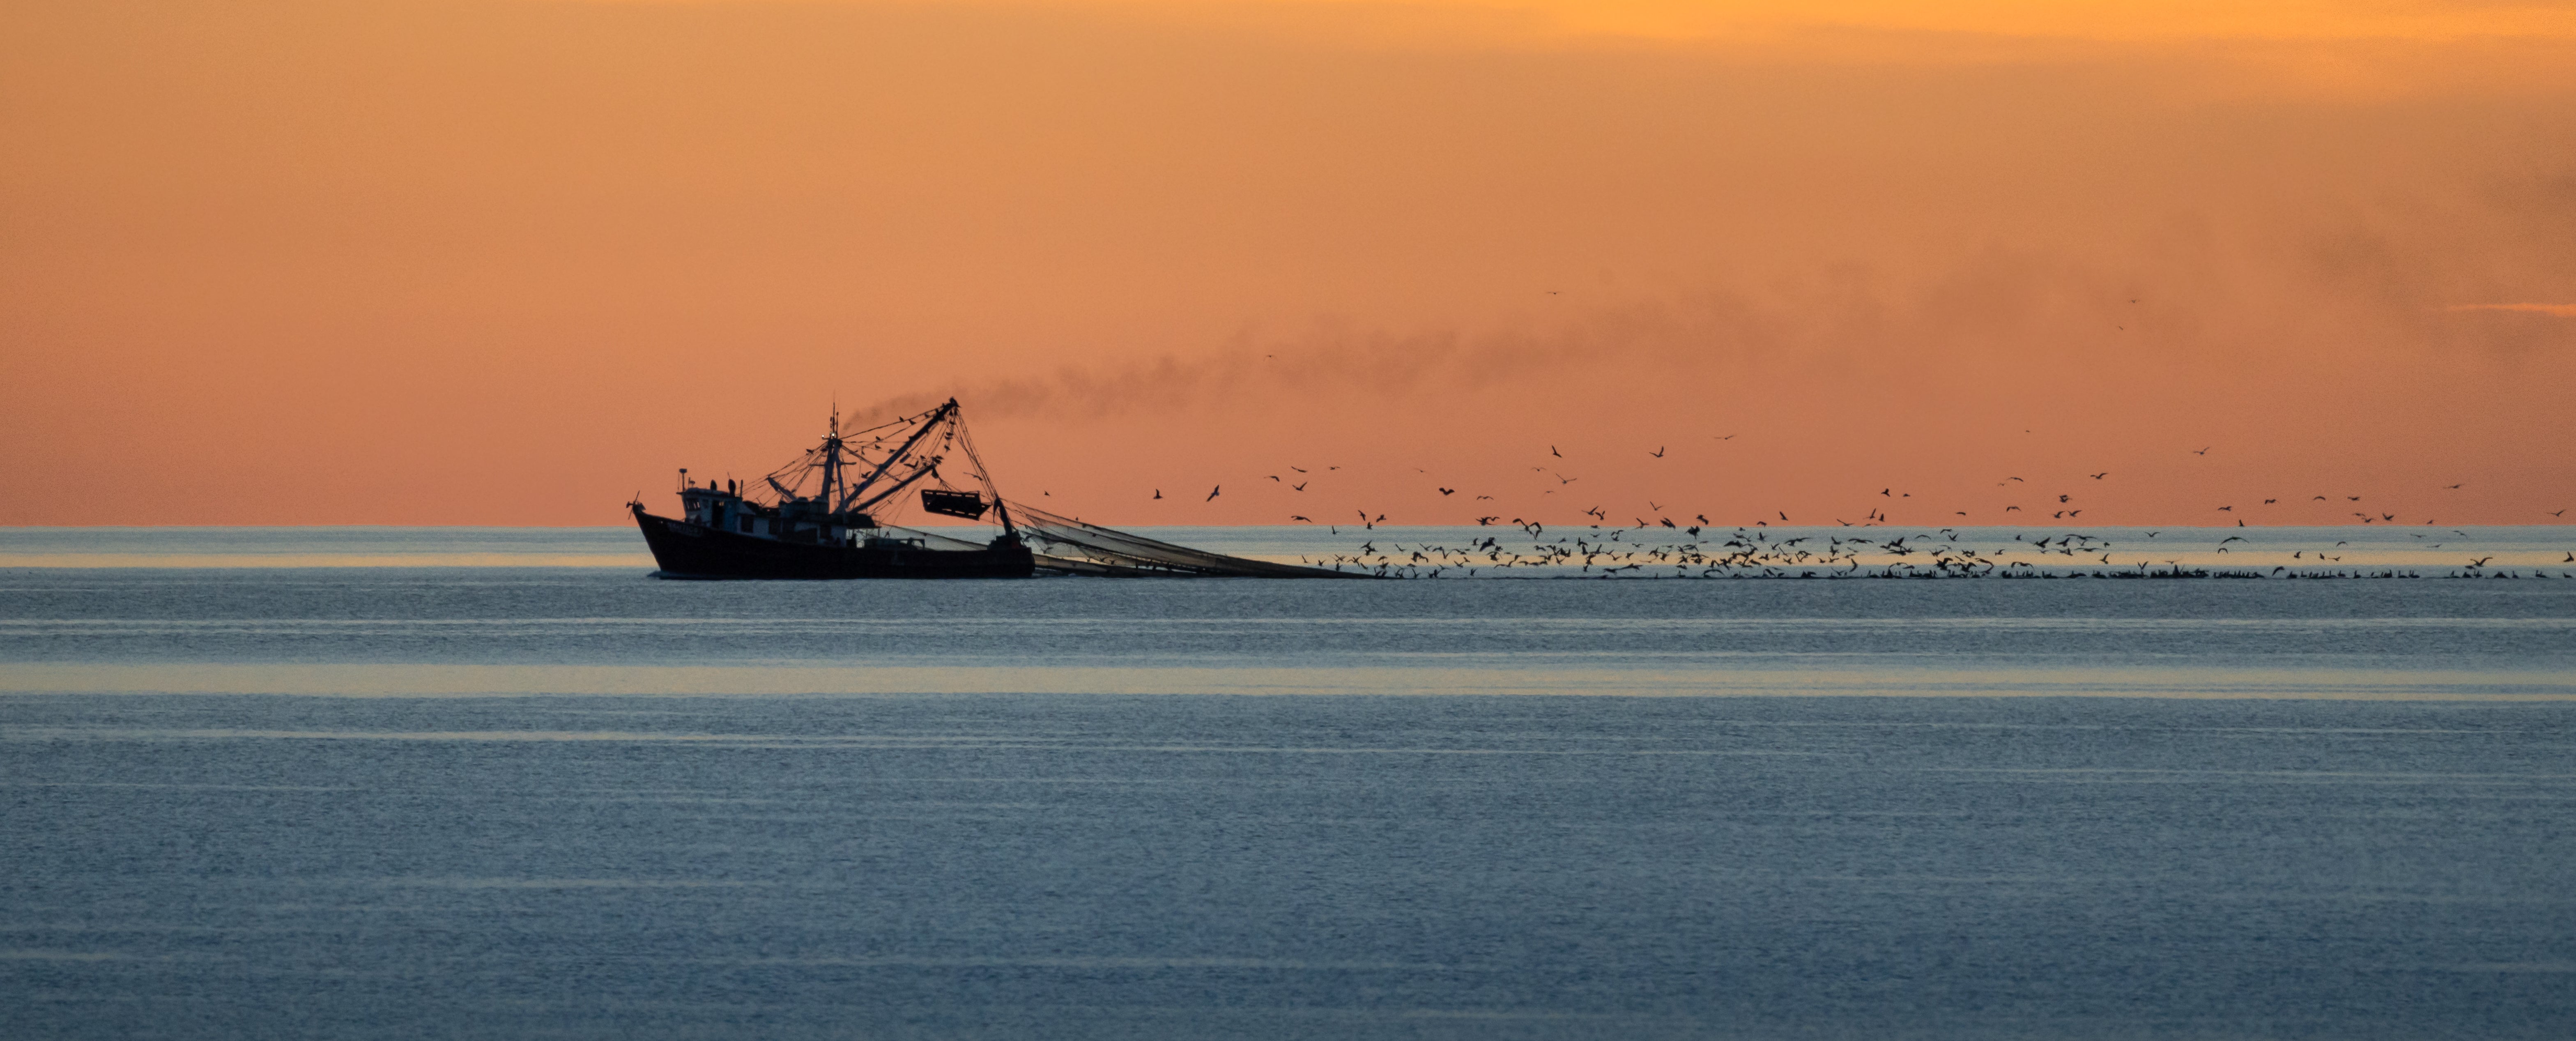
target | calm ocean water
x=496, y=783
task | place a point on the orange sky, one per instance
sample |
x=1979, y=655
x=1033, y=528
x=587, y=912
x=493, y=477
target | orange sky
x=510, y=262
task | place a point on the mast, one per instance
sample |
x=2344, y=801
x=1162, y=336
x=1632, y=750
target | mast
x=832, y=463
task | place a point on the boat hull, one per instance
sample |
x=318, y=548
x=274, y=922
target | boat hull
x=686, y=550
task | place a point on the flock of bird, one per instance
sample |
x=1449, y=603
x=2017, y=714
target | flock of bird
x=1664, y=547
x=1596, y=551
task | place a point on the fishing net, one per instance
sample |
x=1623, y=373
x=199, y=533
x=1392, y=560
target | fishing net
x=1071, y=547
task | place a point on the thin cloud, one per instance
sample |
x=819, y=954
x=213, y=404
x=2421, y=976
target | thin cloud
x=2558, y=310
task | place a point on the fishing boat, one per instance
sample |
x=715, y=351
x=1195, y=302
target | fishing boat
x=725, y=530
x=813, y=519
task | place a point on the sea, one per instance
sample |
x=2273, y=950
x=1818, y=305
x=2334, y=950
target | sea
x=503, y=783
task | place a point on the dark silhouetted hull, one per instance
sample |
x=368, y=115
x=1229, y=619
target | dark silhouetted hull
x=686, y=550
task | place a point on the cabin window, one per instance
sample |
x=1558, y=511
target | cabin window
x=746, y=525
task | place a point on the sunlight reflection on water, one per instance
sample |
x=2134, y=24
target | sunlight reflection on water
x=1719, y=678
x=576, y=801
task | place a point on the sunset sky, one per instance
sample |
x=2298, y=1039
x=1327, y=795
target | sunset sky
x=512, y=261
